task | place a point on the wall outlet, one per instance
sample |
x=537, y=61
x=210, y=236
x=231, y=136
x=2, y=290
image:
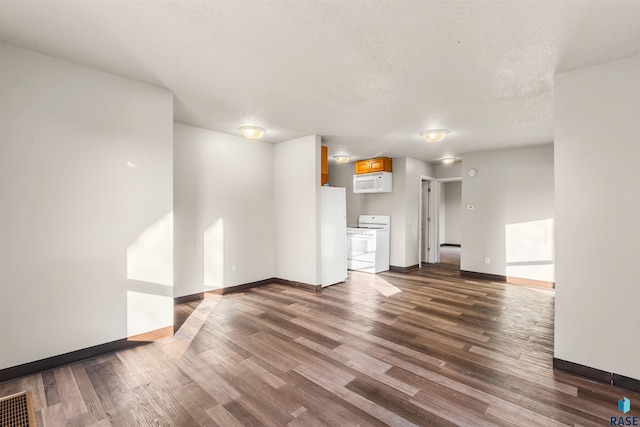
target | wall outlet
x=234, y=269
x=487, y=260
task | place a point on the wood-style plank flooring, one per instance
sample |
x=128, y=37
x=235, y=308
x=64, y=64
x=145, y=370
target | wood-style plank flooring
x=450, y=255
x=426, y=348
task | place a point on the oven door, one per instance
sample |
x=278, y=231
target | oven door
x=360, y=242
x=361, y=250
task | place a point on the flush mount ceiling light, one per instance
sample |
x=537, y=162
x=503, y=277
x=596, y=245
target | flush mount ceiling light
x=252, y=132
x=434, y=135
x=448, y=160
x=342, y=158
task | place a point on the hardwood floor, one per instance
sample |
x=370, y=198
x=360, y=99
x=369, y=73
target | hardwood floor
x=425, y=348
x=450, y=255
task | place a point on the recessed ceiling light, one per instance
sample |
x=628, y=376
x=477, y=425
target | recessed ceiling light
x=434, y=135
x=252, y=132
x=342, y=158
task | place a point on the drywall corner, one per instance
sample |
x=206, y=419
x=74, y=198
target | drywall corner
x=297, y=209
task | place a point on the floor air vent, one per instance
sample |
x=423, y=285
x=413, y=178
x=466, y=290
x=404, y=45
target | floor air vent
x=17, y=410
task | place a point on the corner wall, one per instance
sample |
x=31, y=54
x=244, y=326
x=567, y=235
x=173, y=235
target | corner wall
x=85, y=207
x=415, y=170
x=597, y=321
x=223, y=210
x=297, y=210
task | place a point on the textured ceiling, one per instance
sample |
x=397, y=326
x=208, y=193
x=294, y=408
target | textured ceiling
x=366, y=76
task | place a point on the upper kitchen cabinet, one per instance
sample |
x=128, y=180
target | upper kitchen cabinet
x=380, y=164
x=324, y=171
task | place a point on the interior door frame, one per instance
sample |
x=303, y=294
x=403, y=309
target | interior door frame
x=433, y=255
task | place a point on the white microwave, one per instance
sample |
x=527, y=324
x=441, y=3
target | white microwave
x=377, y=182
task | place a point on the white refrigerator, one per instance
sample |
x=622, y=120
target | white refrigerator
x=333, y=235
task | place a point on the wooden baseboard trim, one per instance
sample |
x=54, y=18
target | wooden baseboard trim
x=626, y=382
x=188, y=298
x=14, y=372
x=454, y=245
x=597, y=374
x=483, y=276
x=308, y=286
x=531, y=282
x=242, y=287
x=407, y=269
x=582, y=370
x=238, y=288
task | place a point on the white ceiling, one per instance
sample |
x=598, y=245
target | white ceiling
x=366, y=76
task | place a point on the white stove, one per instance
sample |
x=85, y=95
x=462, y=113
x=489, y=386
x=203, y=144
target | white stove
x=368, y=244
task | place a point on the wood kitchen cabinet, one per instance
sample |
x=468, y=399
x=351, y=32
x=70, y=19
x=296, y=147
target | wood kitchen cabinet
x=324, y=170
x=379, y=164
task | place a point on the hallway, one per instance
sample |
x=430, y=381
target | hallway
x=450, y=255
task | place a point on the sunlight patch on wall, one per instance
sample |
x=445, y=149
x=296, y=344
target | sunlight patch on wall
x=530, y=252
x=150, y=256
x=148, y=312
x=214, y=256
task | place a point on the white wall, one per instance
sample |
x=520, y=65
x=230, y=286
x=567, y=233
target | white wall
x=341, y=175
x=393, y=204
x=597, y=321
x=452, y=212
x=453, y=170
x=415, y=169
x=512, y=223
x=442, y=217
x=86, y=205
x=223, y=210
x=297, y=209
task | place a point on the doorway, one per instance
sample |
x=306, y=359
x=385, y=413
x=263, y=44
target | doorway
x=450, y=222
x=424, y=223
